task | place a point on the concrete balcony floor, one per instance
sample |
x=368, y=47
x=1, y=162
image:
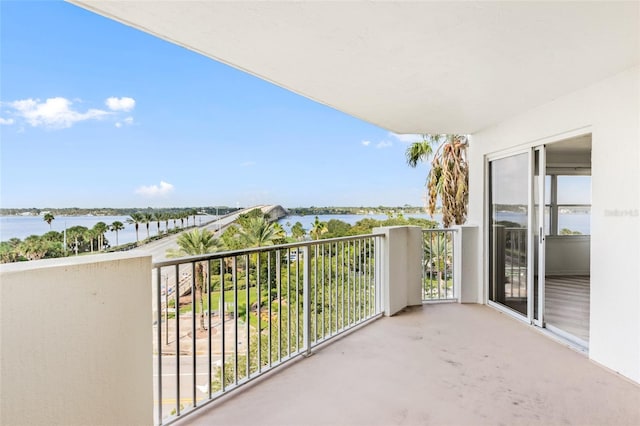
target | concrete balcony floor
x=445, y=364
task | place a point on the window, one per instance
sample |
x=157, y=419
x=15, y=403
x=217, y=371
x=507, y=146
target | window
x=570, y=204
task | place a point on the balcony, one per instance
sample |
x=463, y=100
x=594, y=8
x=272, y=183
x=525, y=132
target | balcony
x=455, y=364
x=81, y=350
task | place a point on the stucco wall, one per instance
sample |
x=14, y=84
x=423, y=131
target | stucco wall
x=75, y=341
x=610, y=110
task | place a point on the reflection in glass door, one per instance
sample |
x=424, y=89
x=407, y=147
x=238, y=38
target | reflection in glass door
x=508, y=239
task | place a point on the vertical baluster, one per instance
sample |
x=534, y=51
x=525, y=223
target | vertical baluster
x=223, y=326
x=235, y=318
x=259, y=313
x=159, y=336
x=247, y=313
x=176, y=292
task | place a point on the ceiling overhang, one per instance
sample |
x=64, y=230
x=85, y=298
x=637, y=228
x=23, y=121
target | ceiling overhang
x=410, y=67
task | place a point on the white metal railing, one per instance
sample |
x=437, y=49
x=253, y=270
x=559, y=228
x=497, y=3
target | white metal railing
x=246, y=312
x=515, y=262
x=438, y=265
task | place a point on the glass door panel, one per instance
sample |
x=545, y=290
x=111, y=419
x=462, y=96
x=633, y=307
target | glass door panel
x=508, y=239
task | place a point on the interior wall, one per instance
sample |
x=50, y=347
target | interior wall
x=610, y=111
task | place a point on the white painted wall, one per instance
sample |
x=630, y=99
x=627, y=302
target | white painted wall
x=402, y=267
x=76, y=341
x=610, y=110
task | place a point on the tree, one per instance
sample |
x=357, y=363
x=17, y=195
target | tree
x=115, y=227
x=198, y=241
x=146, y=219
x=166, y=217
x=48, y=217
x=158, y=217
x=297, y=231
x=318, y=228
x=76, y=238
x=33, y=247
x=90, y=235
x=194, y=212
x=437, y=260
x=448, y=178
x=259, y=232
x=337, y=228
x=99, y=229
x=136, y=219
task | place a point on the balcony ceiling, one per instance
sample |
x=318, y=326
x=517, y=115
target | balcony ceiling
x=410, y=67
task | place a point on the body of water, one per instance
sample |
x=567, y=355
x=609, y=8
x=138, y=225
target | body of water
x=580, y=222
x=351, y=219
x=23, y=226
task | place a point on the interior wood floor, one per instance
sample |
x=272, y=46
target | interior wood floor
x=567, y=304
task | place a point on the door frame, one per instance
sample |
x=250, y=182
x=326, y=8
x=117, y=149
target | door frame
x=541, y=150
x=530, y=147
x=487, y=211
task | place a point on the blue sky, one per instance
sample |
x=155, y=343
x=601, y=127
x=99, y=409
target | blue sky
x=94, y=113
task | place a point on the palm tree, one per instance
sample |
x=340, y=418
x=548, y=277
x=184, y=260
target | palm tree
x=33, y=247
x=259, y=232
x=166, y=217
x=297, y=231
x=437, y=257
x=100, y=228
x=437, y=252
x=448, y=177
x=90, y=235
x=174, y=217
x=198, y=241
x=146, y=219
x=318, y=228
x=48, y=217
x=76, y=237
x=158, y=216
x=115, y=227
x=422, y=150
x=136, y=219
x=194, y=212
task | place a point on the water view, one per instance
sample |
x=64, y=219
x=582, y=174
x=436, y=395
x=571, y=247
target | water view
x=23, y=226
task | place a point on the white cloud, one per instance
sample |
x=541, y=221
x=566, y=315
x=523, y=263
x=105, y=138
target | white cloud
x=154, y=190
x=126, y=122
x=6, y=121
x=120, y=104
x=384, y=144
x=54, y=112
x=248, y=164
x=407, y=138
x=366, y=143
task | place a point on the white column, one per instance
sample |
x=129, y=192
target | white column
x=467, y=263
x=402, y=269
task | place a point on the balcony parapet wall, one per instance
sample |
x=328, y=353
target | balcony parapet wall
x=75, y=341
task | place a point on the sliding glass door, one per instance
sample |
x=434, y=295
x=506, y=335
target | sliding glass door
x=509, y=200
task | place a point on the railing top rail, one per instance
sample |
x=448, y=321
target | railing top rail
x=439, y=229
x=225, y=254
